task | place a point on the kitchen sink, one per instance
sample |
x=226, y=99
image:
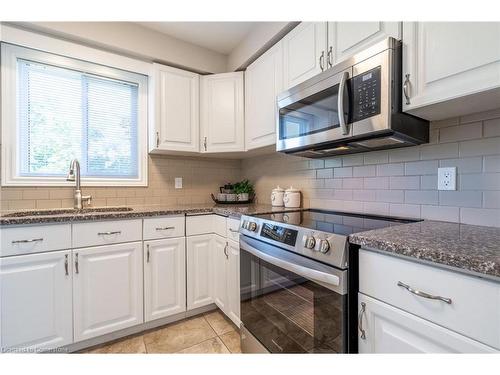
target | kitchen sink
x=65, y=211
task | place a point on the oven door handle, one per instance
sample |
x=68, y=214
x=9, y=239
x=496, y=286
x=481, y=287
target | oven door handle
x=340, y=103
x=306, y=272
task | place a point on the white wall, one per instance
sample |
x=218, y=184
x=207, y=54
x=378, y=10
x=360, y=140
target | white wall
x=137, y=41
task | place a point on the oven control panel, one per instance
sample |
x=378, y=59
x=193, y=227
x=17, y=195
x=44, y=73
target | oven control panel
x=277, y=233
x=366, y=94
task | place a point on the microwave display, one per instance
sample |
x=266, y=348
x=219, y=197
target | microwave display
x=366, y=94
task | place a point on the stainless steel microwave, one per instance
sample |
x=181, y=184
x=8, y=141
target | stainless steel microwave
x=355, y=106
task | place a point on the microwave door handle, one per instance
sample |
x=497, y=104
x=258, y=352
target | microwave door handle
x=306, y=272
x=340, y=103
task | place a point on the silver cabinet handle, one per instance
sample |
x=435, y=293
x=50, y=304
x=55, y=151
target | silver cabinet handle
x=28, y=241
x=234, y=230
x=147, y=254
x=340, y=103
x=329, y=57
x=66, y=271
x=360, y=321
x=205, y=143
x=423, y=294
x=164, y=228
x=77, y=270
x=225, y=251
x=405, y=88
x=109, y=233
x=157, y=139
x=322, y=61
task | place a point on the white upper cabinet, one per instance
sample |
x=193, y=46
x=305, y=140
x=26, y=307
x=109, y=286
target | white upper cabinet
x=451, y=68
x=222, y=113
x=263, y=82
x=36, y=301
x=176, y=110
x=164, y=278
x=304, y=52
x=347, y=38
x=107, y=287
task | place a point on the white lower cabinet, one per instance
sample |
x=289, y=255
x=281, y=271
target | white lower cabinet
x=36, y=301
x=107, y=287
x=390, y=330
x=164, y=278
x=199, y=267
x=233, y=282
x=220, y=255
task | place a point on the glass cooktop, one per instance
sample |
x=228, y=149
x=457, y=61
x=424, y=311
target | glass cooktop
x=334, y=221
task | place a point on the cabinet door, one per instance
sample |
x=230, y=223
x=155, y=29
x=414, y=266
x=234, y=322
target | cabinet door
x=176, y=110
x=347, y=38
x=233, y=282
x=36, y=301
x=221, y=258
x=107, y=287
x=390, y=330
x=263, y=82
x=447, y=61
x=304, y=52
x=164, y=278
x=199, y=271
x=222, y=112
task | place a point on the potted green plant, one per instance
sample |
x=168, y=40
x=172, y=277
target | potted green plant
x=244, y=189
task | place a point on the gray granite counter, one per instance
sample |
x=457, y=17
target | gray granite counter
x=69, y=215
x=467, y=248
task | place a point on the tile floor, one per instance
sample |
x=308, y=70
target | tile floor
x=211, y=332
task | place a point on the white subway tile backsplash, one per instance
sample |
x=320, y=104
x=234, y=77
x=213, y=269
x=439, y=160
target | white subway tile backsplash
x=376, y=157
x=405, y=182
x=395, y=169
x=421, y=197
x=352, y=183
x=324, y=173
x=441, y=213
x=480, y=116
x=492, y=128
x=491, y=199
x=428, y=182
x=439, y=151
x=334, y=183
x=460, y=198
x=364, y=171
x=404, y=210
x=480, y=216
x=333, y=163
x=351, y=160
x=421, y=167
x=342, y=172
x=478, y=181
x=465, y=132
x=376, y=208
x=404, y=154
x=364, y=195
x=376, y=183
x=492, y=163
x=316, y=163
x=390, y=196
x=485, y=146
x=464, y=165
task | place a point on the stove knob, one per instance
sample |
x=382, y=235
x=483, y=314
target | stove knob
x=323, y=246
x=251, y=226
x=308, y=242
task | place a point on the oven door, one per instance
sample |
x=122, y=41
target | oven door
x=310, y=115
x=289, y=303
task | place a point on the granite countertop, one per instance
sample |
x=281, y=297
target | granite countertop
x=467, y=248
x=69, y=215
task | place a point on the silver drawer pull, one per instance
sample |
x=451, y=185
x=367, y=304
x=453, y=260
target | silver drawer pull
x=165, y=228
x=360, y=320
x=423, y=294
x=234, y=230
x=28, y=241
x=109, y=233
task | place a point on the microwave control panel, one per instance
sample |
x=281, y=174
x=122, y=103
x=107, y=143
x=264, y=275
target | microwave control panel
x=366, y=94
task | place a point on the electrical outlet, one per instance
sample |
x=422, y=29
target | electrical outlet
x=447, y=178
x=178, y=182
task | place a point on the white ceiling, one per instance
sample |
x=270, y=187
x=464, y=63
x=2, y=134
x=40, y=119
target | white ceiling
x=221, y=37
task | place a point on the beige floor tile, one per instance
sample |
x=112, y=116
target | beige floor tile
x=127, y=346
x=219, y=322
x=232, y=341
x=211, y=346
x=179, y=336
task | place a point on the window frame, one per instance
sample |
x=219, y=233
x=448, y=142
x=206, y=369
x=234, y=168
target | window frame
x=11, y=160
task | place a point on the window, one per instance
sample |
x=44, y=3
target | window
x=65, y=109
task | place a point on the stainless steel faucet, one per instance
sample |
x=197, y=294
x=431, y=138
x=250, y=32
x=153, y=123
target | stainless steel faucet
x=74, y=175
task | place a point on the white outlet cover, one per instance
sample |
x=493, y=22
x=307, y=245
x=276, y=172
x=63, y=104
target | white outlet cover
x=447, y=178
x=178, y=182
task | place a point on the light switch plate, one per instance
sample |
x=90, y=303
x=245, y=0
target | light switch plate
x=178, y=182
x=447, y=178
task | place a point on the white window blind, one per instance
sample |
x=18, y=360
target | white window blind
x=65, y=114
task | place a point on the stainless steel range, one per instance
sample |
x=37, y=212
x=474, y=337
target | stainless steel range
x=296, y=294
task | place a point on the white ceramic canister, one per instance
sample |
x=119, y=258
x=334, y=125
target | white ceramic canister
x=277, y=197
x=292, y=197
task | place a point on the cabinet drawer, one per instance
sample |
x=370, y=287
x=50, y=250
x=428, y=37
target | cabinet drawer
x=106, y=232
x=34, y=239
x=474, y=310
x=199, y=224
x=233, y=227
x=164, y=227
x=219, y=225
